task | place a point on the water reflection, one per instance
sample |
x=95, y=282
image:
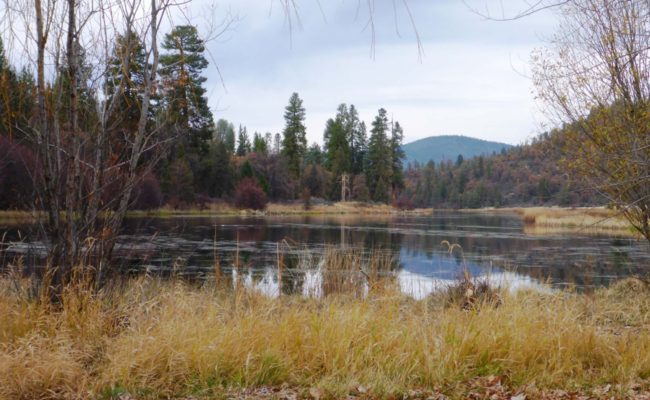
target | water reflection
x=491, y=245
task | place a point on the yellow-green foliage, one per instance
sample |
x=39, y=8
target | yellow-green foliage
x=154, y=339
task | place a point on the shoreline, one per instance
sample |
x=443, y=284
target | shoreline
x=536, y=219
x=154, y=339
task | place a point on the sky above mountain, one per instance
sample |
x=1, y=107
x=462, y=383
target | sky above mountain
x=471, y=79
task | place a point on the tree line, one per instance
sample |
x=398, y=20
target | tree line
x=531, y=174
x=200, y=160
x=206, y=160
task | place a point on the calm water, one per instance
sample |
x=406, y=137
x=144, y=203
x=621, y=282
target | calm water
x=492, y=245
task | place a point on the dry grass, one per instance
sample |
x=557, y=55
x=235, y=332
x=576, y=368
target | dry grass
x=156, y=339
x=339, y=208
x=587, y=219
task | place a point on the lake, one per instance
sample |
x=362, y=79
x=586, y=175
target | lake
x=492, y=245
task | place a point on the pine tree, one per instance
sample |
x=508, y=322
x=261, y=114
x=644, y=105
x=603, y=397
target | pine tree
x=277, y=143
x=217, y=173
x=184, y=95
x=294, y=144
x=378, y=166
x=87, y=115
x=126, y=76
x=358, y=141
x=16, y=99
x=243, y=143
x=314, y=155
x=338, y=156
x=225, y=133
x=259, y=144
x=397, y=179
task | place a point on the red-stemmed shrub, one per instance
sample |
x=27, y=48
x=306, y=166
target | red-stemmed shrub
x=147, y=194
x=249, y=194
x=403, y=202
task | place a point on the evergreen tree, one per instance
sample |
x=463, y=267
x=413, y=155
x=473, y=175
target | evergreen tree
x=277, y=143
x=182, y=181
x=217, y=174
x=459, y=160
x=87, y=116
x=243, y=143
x=294, y=143
x=268, y=138
x=358, y=142
x=397, y=179
x=314, y=155
x=259, y=144
x=338, y=156
x=378, y=168
x=126, y=77
x=225, y=133
x=182, y=85
x=16, y=99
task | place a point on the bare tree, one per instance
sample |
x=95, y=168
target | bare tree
x=90, y=167
x=87, y=179
x=594, y=79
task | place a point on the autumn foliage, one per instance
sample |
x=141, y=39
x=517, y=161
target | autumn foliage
x=249, y=194
x=17, y=164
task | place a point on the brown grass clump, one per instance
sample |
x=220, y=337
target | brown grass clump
x=154, y=339
x=592, y=219
x=469, y=293
x=42, y=367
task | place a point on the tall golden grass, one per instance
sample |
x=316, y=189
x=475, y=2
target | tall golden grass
x=157, y=339
x=589, y=219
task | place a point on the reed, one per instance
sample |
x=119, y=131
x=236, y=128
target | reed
x=157, y=339
x=591, y=219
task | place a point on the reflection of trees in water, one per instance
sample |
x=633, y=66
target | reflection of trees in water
x=159, y=241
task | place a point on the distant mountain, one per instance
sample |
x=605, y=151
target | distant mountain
x=448, y=147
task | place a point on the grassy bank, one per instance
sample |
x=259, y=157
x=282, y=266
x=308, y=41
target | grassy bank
x=297, y=208
x=225, y=209
x=558, y=219
x=154, y=339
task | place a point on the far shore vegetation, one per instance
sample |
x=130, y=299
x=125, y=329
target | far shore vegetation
x=587, y=220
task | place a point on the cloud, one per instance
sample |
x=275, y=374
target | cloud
x=469, y=81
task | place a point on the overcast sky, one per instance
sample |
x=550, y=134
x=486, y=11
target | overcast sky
x=472, y=79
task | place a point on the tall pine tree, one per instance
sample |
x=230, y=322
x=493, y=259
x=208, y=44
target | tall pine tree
x=379, y=161
x=126, y=76
x=294, y=143
x=183, y=92
x=397, y=135
x=16, y=99
x=338, y=155
x=243, y=142
x=357, y=139
x=225, y=133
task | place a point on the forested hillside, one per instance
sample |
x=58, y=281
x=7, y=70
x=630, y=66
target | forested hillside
x=448, y=147
x=529, y=174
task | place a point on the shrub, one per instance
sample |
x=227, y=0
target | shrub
x=306, y=199
x=17, y=164
x=403, y=202
x=360, y=190
x=147, y=194
x=249, y=194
